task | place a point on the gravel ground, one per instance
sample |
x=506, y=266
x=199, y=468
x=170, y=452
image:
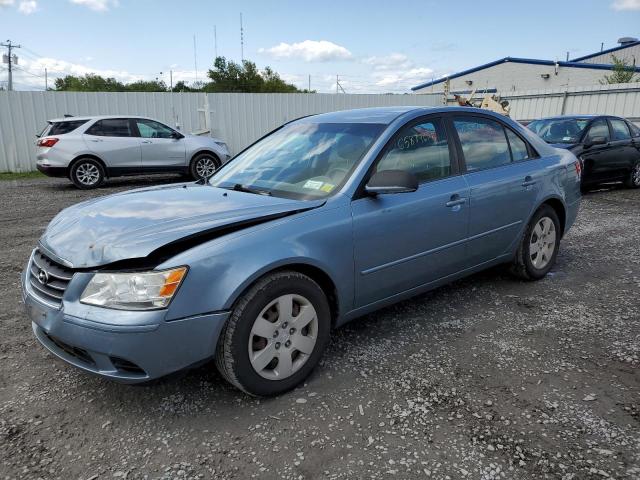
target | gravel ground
x=487, y=378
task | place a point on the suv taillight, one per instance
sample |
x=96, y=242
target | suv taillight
x=578, y=165
x=48, y=142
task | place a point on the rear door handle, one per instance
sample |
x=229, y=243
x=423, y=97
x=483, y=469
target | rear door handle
x=528, y=181
x=146, y=141
x=96, y=140
x=455, y=201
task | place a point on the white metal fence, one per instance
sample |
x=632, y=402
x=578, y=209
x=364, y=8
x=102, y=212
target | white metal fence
x=240, y=118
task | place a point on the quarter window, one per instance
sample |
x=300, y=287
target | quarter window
x=483, y=142
x=519, y=150
x=151, y=129
x=60, y=128
x=599, y=128
x=421, y=149
x=111, y=127
x=620, y=129
x=635, y=131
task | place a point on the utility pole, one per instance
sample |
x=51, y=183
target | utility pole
x=309, y=84
x=171, y=79
x=338, y=86
x=241, y=39
x=46, y=80
x=215, y=43
x=10, y=60
x=195, y=57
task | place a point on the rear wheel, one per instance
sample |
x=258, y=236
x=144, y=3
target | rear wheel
x=204, y=165
x=633, y=181
x=538, y=248
x=276, y=334
x=87, y=173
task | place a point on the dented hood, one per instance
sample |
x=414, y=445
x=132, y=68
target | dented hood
x=134, y=224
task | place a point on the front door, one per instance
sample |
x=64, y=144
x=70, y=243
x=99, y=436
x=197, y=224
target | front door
x=160, y=149
x=113, y=140
x=504, y=182
x=406, y=240
x=599, y=161
x=624, y=148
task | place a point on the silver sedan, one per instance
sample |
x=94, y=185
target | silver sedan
x=89, y=149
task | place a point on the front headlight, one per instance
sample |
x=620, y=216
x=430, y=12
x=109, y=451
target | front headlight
x=133, y=291
x=222, y=145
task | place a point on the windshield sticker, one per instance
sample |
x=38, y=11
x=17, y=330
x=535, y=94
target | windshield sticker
x=566, y=139
x=327, y=187
x=313, y=184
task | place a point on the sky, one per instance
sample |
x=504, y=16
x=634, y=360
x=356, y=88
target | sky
x=373, y=46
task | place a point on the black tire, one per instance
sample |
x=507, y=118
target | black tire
x=523, y=265
x=232, y=352
x=87, y=173
x=200, y=163
x=633, y=180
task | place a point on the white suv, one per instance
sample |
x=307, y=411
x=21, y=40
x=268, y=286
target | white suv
x=89, y=149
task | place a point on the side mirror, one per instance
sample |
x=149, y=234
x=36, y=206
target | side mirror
x=595, y=141
x=177, y=135
x=391, y=181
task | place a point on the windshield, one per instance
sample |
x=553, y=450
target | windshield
x=301, y=160
x=559, y=130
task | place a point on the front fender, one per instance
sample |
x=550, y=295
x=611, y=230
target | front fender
x=221, y=270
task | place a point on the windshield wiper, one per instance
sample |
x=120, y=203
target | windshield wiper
x=238, y=187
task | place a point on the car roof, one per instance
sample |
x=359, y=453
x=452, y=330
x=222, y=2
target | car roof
x=91, y=117
x=569, y=117
x=381, y=115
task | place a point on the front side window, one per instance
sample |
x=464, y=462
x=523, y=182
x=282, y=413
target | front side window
x=151, y=129
x=620, y=129
x=599, y=128
x=484, y=143
x=300, y=160
x=111, y=127
x=635, y=131
x=421, y=149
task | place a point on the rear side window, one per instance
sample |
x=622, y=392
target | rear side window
x=635, y=131
x=599, y=128
x=60, y=128
x=111, y=127
x=421, y=149
x=484, y=143
x=620, y=129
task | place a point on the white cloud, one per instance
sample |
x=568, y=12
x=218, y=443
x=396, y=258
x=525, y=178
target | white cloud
x=96, y=5
x=6, y=3
x=28, y=6
x=309, y=51
x=626, y=5
x=388, y=62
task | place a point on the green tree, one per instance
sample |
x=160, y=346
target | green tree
x=147, y=86
x=88, y=83
x=229, y=76
x=622, y=72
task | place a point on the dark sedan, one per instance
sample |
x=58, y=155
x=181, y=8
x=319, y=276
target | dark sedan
x=608, y=147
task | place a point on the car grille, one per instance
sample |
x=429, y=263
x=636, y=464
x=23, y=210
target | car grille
x=48, y=280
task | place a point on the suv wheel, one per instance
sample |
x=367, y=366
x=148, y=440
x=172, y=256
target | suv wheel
x=204, y=165
x=276, y=334
x=633, y=181
x=87, y=173
x=538, y=248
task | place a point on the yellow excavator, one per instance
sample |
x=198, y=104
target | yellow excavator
x=487, y=102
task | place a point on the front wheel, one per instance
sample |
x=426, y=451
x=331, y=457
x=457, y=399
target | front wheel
x=87, y=173
x=633, y=181
x=538, y=248
x=203, y=166
x=276, y=334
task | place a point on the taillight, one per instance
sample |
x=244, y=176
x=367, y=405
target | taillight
x=48, y=142
x=578, y=166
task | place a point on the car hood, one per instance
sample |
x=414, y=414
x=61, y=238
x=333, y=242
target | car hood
x=134, y=224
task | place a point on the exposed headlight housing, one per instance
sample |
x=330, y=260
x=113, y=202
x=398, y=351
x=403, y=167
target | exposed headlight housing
x=133, y=291
x=222, y=145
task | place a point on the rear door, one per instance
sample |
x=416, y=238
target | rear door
x=160, y=149
x=405, y=240
x=112, y=140
x=504, y=176
x=625, y=150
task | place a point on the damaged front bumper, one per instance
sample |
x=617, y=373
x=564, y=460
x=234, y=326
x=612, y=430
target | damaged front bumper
x=126, y=346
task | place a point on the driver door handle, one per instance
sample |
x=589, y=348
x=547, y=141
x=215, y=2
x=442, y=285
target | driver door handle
x=146, y=141
x=456, y=200
x=528, y=181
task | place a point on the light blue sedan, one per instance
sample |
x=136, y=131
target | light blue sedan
x=323, y=220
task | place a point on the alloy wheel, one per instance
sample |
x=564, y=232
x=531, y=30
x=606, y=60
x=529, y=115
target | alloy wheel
x=635, y=177
x=87, y=174
x=542, y=243
x=283, y=337
x=205, y=167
